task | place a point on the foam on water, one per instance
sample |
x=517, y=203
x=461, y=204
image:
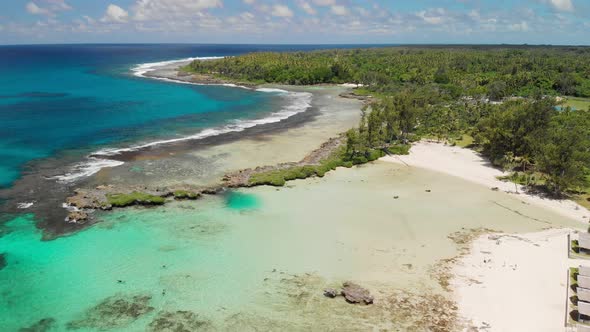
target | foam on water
x=24, y=205
x=144, y=68
x=89, y=167
x=272, y=90
x=296, y=102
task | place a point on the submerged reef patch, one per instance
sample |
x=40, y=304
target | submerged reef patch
x=42, y=325
x=3, y=262
x=179, y=321
x=113, y=312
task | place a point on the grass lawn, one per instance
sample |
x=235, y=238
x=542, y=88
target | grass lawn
x=578, y=103
x=465, y=141
x=583, y=198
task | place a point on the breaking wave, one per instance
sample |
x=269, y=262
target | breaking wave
x=297, y=102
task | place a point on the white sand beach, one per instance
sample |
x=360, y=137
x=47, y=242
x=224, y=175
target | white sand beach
x=507, y=282
x=515, y=282
x=471, y=166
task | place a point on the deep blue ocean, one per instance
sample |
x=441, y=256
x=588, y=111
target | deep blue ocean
x=56, y=99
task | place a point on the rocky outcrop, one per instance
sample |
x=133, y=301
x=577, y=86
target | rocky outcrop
x=77, y=217
x=352, y=293
x=89, y=199
x=241, y=178
x=331, y=293
x=84, y=202
x=352, y=95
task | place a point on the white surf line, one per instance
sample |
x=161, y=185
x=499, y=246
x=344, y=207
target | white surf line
x=143, y=69
x=299, y=102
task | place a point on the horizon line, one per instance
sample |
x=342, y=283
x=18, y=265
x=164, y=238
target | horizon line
x=302, y=44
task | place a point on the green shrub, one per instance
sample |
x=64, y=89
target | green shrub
x=184, y=194
x=134, y=198
x=399, y=149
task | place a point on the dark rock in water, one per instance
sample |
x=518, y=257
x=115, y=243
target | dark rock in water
x=354, y=293
x=42, y=325
x=331, y=293
x=77, y=217
x=3, y=262
x=114, y=312
x=495, y=189
x=179, y=321
x=211, y=191
x=428, y=190
x=395, y=197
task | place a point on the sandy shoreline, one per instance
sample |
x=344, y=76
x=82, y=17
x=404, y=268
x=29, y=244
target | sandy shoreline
x=515, y=282
x=507, y=282
x=469, y=165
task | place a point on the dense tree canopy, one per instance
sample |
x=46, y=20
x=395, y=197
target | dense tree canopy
x=501, y=97
x=482, y=70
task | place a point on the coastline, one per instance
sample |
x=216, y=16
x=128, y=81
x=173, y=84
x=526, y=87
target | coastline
x=389, y=253
x=507, y=278
x=85, y=201
x=201, y=162
x=471, y=166
x=496, y=278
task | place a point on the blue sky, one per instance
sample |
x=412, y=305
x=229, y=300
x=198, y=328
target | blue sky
x=295, y=21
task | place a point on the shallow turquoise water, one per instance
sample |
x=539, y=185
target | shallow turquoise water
x=256, y=258
x=242, y=201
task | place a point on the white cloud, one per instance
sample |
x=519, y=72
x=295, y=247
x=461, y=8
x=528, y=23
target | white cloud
x=522, y=26
x=47, y=7
x=433, y=16
x=563, y=5
x=339, y=10
x=307, y=7
x=281, y=11
x=115, y=14
x=32, y=8
x=249, y=2
x=324, y=2
x=89, y=19
x=58, y=5
x=146, y=10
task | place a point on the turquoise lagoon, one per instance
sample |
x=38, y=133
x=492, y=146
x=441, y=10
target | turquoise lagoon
x=255, y=259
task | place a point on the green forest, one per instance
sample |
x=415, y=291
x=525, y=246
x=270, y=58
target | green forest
x=503, y=101
x=495, y=72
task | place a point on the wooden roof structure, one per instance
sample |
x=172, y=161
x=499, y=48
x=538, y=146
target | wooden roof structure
x=584, y=240
x=583, y=281
x=583, y=294
x=584, y=308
